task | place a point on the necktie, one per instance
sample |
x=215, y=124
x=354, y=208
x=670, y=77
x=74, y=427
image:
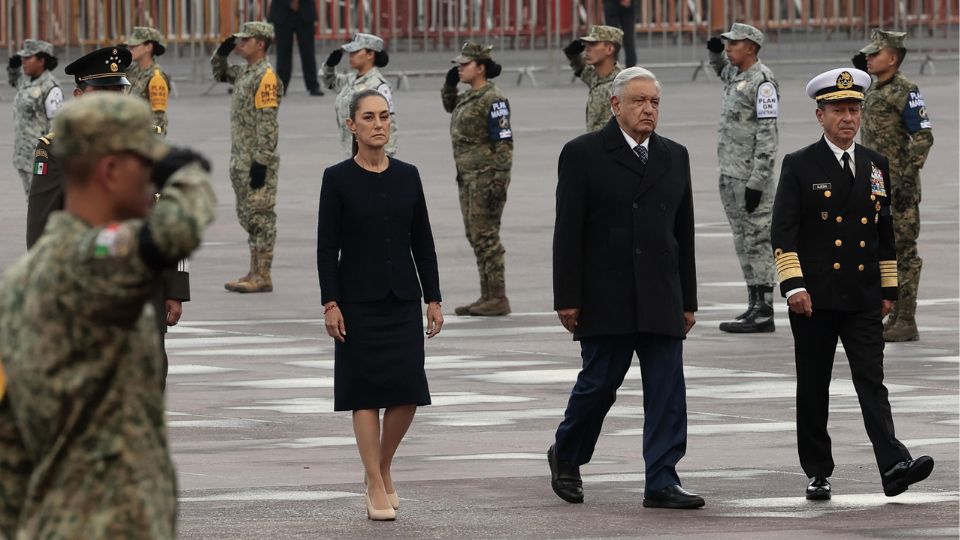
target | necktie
x=641, y=152
x=846, y=166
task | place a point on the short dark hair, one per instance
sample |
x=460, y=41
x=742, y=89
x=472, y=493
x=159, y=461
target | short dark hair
x=491, y=69
x=49, y=62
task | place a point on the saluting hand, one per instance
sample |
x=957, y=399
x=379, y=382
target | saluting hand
x=568, y=318
x=453, y=76
x=715, y=45
x=335, y=56
x=574, y=48
x=801, y=304
x=434, y=319
x=15, y=61
x=227, y=46
x=333, y=321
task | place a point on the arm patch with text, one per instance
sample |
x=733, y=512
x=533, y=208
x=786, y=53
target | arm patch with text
x=267, y=97
x=498, y=121
x=159, y=91
x=915, y=115
x=767, y=102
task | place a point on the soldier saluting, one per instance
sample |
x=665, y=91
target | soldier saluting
x=834, y=250
x=147, y=78
x=593, y=59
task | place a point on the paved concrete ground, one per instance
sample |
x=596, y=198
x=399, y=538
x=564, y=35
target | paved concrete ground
x=260, y=454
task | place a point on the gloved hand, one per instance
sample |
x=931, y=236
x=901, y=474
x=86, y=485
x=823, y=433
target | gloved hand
x=15, y=61
x=335, y=56
x=176, y=159
x=574, y=48
x=227, y=46
x=715, y=45
x=860, y=61
x=752, y=199
x=258, y=175
x=453, y=76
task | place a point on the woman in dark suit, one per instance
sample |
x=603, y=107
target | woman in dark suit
x=374, y=252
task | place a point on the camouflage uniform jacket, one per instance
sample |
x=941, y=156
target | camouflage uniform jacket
x=896, y=124
x=34, y=106
x=598, y=98
x=349, y=84
x=254, y=129
x=82, y=356
x=747, y=142
x=479, y=128
x=153, y=85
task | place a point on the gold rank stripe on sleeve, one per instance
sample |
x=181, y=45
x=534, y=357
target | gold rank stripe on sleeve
x=888, y=273
x=788, y=265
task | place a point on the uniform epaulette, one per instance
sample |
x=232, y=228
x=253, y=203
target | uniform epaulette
x=47, y=138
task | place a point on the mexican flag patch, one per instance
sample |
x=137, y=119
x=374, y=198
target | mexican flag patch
x=40, y=168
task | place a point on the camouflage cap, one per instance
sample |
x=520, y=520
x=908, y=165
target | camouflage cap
x=143, y=34
x=363, y=41
x=32, y=47
x=102, y=67
x=473, y=51
x=107, y=123
x=744, y=31
x=258, y=29
x=604, y=33
x=882, y=39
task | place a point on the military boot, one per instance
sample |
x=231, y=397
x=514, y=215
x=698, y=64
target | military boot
x=232, y=285
x=757, y=321
x=751, y=305
x=891, y=318
x=496, y=304
x=484, y=294
x=260, y=280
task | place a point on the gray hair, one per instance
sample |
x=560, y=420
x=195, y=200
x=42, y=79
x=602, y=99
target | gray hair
x=630, y=74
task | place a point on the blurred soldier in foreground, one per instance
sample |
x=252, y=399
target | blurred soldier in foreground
x=254, y=159
x=747, y=149
x=103, y=70
x=483, y=152
x=896, y=124
x=77, y=337
x=38, y=98
x=594, y=59
x=833, y=244
x=147, y=79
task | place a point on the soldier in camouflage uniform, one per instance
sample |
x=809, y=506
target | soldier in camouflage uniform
x=747, y=149
x=594, y=59
x=147, y=78
x=483, y=153
x=38, y=98
x=77, y=337
x=896, y=124
x=366, y=55
x=254, y=159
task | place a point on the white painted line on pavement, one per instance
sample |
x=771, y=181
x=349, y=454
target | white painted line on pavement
x=273, y=495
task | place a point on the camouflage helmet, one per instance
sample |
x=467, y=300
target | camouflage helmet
x=473, y=51
x=255, y=29
x=882, y=39
x=604, y=33
x=143, y=34
x=107, y=123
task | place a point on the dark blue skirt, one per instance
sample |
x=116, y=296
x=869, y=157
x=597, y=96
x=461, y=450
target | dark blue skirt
x=381, y=362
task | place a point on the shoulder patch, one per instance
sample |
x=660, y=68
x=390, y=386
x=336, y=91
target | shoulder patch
x=267, y=92
x=915, y=115
x=114, y=240
x=767, y=102
x=498, y=121
x=53, y=102
x=384, y=89
x=159, y=91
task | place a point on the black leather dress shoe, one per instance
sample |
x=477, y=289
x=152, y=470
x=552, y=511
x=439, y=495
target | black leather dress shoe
x=673, y=497
x=899, y=477
x=316, y=92
x=564, y=478
x=818, y=489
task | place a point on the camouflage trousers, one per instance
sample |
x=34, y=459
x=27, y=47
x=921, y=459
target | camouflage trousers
x=14, y=472
x=905, y=208
x=26, y=178
x=482, y=198
x=751, y=231
x=256, y=208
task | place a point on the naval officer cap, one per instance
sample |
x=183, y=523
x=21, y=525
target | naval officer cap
x=103, y=67
x=363, y=41
x=838, y=85
x=744, y=31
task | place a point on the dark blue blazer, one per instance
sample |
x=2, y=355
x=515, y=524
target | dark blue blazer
x=623, y=242
x=374, y=236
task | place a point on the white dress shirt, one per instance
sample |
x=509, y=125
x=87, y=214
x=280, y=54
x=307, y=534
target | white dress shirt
x=633, y=144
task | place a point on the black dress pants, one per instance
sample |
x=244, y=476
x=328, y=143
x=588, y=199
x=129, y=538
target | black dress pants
x=284, y=43
x=624, y=18
x=815, y=343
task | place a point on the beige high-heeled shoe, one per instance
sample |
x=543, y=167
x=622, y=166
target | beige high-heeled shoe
x=376, y=514
x=394, y=500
